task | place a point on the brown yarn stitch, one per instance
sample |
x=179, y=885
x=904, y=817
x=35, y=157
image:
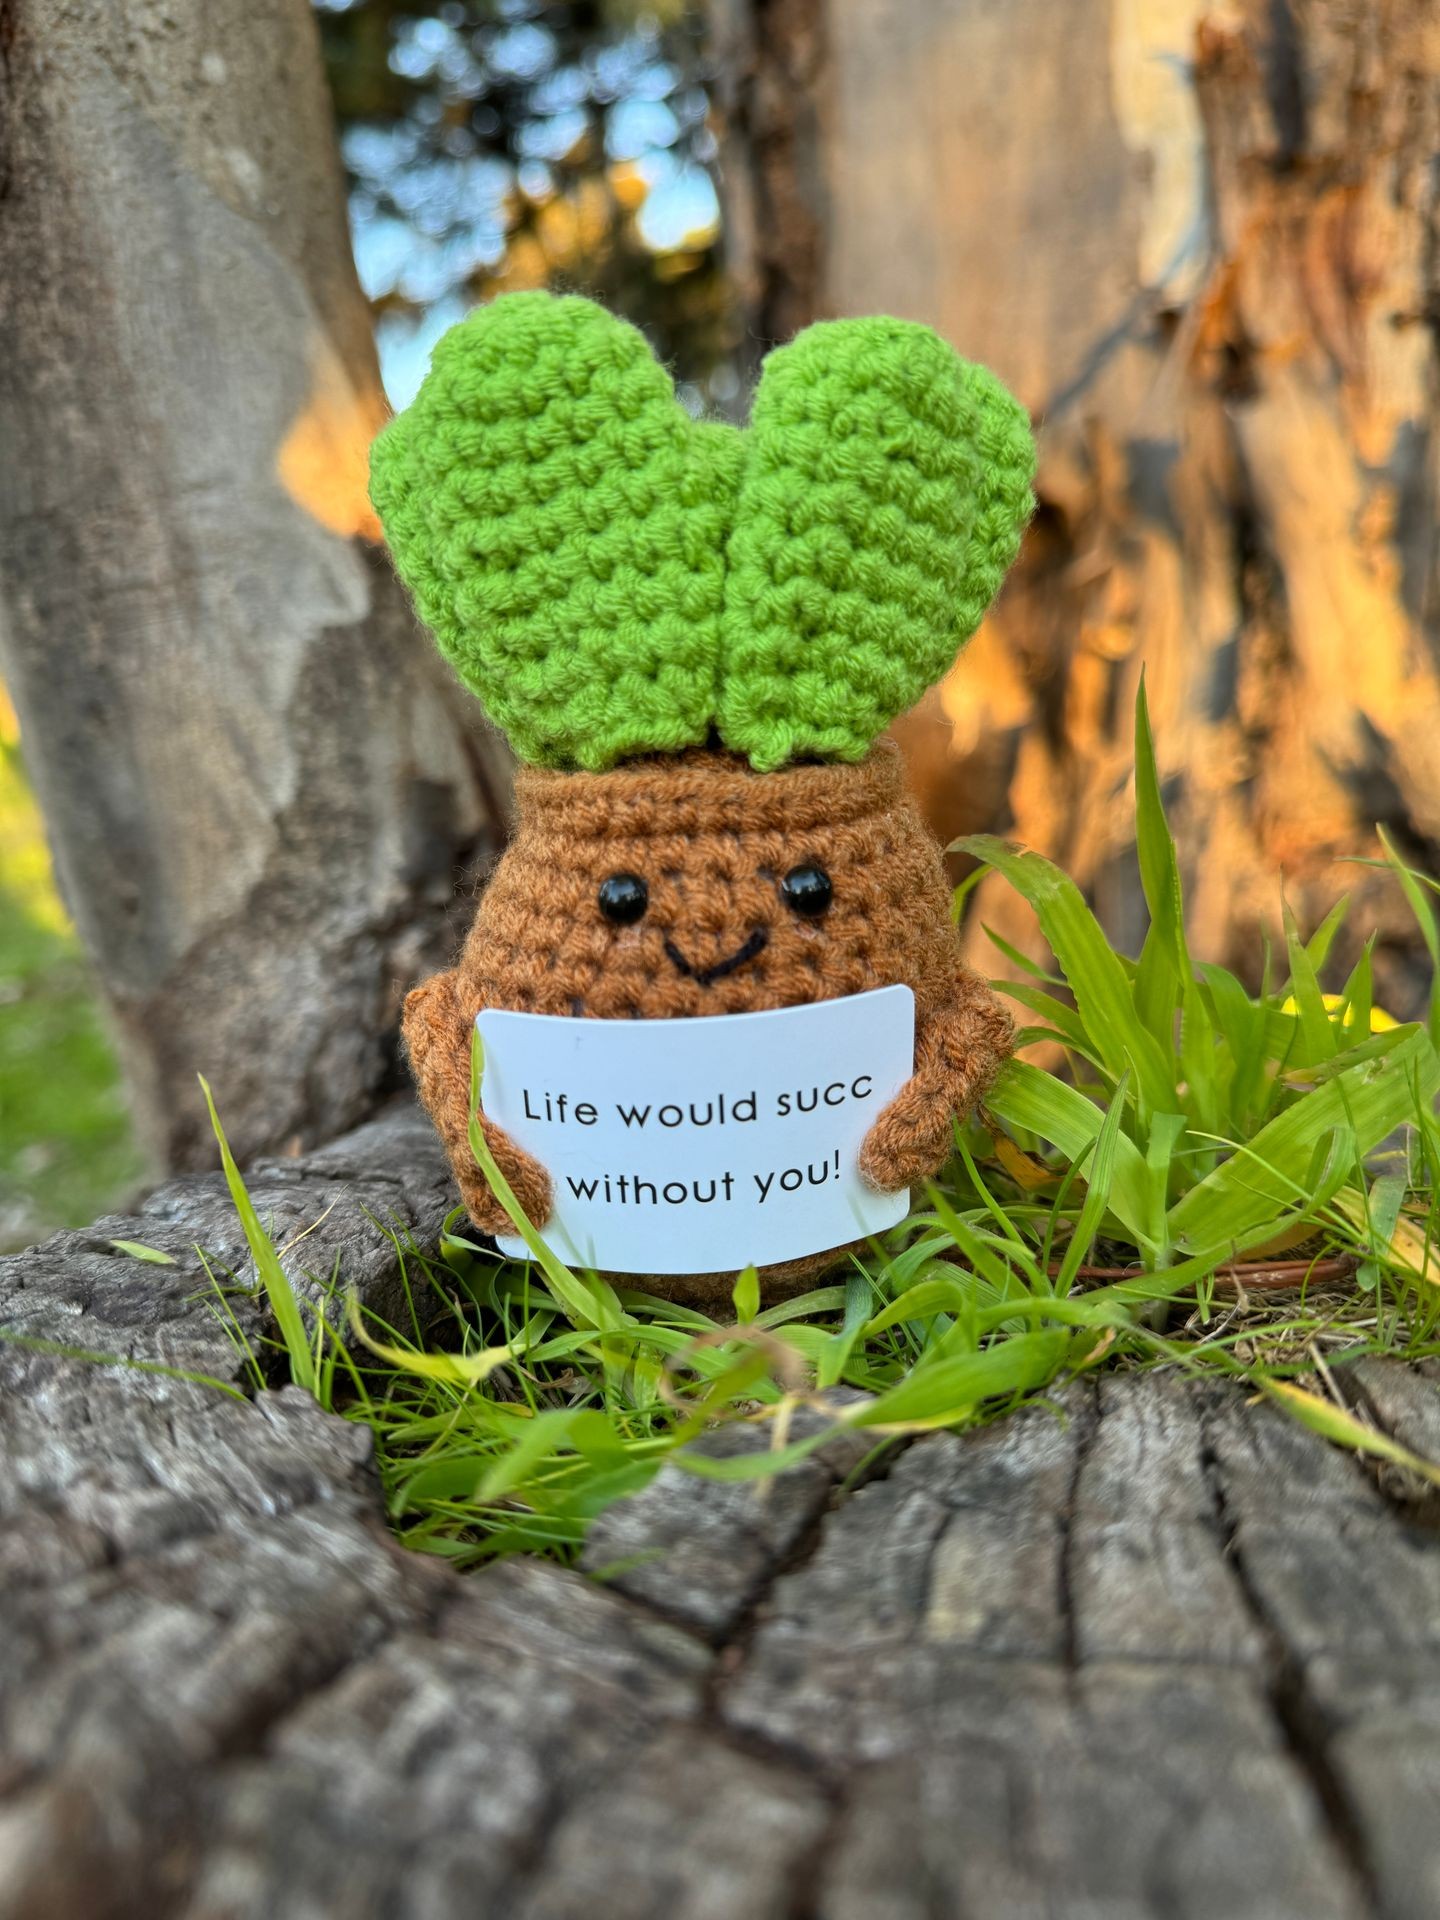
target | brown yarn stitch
x=712, y=839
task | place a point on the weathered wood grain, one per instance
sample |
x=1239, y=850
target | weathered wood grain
x=703, y=1551
x=1149, y=1652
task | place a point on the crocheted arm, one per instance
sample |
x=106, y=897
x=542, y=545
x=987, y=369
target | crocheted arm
x=437, y=1035
x=958, y=1052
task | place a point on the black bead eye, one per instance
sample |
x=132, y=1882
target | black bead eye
x=623, y=898
x=806, y=890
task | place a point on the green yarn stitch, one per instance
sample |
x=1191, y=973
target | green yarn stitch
x=885, y=489
x=613, y=578
x=561, y=526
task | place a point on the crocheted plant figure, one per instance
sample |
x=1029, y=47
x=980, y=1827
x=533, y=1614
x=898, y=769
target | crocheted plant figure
x=693, y=636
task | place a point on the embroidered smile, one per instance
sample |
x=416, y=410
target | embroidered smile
x=732, y=963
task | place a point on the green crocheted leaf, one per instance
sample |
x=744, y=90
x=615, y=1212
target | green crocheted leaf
x=886, y=486
x=613, y=578
x=560, y=522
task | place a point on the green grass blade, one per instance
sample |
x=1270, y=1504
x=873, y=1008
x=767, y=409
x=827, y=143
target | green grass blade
x=745, y=1295
x=1025, y=1097
x=1159, y=866
x=1093, y=972
x=1157, y=991
x=1241, y=1024
x=1372, y=1096
x=1318, y=946
x=593, y=1304
x=1100, y=1175
x=923, y=1301
x=60, y=1350
x=1198, y=1064
x=1424, y=913
x=1014, y=955
x=1317, y=1034
x=1166, y=1132
x=1067, y=1024
x=1335, y=1424
x=153, y=1255
x=280, y=1294
x=948, y=1390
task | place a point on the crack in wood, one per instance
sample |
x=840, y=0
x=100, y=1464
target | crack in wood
x=1087, y=1423
x=1296, y=1715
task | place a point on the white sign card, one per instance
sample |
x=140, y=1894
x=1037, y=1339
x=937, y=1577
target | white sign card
x=702, y=1145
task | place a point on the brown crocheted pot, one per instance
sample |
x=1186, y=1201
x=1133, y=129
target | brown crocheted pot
x=712, y=841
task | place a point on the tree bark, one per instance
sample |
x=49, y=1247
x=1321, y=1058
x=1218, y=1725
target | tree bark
x=258, y=782
x=1200, y=243
x=1169, y=1656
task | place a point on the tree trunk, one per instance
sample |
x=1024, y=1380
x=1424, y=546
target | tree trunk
x=1200, y=243
x=257, y=780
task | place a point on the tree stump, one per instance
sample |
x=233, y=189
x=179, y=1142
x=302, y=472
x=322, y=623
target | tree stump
x=1155, y=1653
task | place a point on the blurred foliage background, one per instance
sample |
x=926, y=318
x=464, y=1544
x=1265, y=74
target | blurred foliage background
x=496, y=144
x=66, y=1151
x=488, y=145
